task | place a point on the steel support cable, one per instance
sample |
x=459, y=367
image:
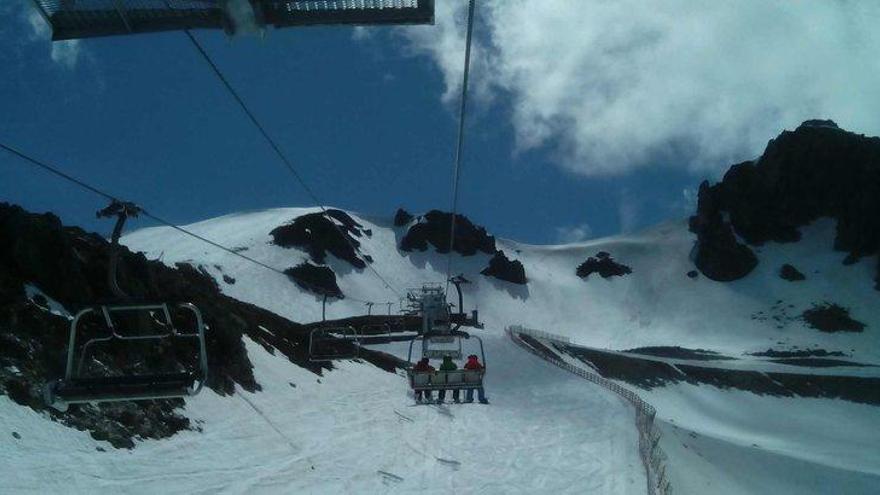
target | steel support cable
x=143, y=211
x=456, y=172
x=277, y=149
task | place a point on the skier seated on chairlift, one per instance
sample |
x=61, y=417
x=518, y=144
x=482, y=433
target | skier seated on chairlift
x=447, y=365
x=473, y=364
x=423, y=366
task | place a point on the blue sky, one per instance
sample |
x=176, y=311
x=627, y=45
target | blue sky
x=367, y=116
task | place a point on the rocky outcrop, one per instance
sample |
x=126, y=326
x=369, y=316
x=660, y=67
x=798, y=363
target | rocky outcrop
x=604, y=265
x=817, y=170
x=830, y=317
x=790, y=273
x=719, y=255
x=316, y=234
x=434, y=228
x=503, y=268
x=402, y=218
x=318, y=280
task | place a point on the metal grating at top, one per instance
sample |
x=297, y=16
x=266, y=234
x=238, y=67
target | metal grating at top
x=72, y=19
x=305, y=12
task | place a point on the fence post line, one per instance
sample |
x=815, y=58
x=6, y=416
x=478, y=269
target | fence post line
x=650, y=452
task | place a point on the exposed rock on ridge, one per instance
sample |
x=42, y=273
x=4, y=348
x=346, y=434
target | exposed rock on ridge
x=817, y=170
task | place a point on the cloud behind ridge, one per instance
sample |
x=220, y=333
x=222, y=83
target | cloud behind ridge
x=611, y=86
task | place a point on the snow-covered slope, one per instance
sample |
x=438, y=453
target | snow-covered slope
x=354, y=430
x=658, y=304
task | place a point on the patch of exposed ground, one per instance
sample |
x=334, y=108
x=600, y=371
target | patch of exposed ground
x=831, y=317
x=676, y=352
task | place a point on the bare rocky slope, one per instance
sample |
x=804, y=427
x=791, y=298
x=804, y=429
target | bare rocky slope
x=69, y=266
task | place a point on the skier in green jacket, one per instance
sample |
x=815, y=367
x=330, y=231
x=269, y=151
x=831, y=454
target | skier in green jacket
x=447, y=365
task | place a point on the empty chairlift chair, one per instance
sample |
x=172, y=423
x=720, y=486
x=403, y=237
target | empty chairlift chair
x=334, y=343
x=77, y=387
x=121, y=321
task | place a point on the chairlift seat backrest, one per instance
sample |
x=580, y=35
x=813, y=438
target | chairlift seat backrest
x=422, y=378
x=454, y=377
x=473, y=376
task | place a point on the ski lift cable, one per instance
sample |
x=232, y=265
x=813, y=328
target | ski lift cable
x=456, y=171
x=277, y=149
x=143, y=211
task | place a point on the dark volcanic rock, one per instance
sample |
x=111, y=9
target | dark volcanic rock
x=433, y=229
x=718, y=255
x=604, y=265
x=790, y=273
x=316, y=234
x=817, y=170
x=502, y=268
x=402, y=217
x=316, y=279
x=677, y=352
x=773, y=353
x=830, y=317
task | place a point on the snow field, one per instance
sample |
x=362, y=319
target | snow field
x=355, y=430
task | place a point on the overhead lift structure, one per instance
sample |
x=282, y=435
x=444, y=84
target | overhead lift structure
x=76, y=19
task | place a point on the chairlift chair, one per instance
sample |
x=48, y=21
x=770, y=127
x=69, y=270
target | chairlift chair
x=76, y=388
x=459, y=379
x=334, y=343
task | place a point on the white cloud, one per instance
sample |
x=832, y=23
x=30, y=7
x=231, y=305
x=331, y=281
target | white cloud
x=572, y=234
x=444, y=43
x=689, y=197
x=65, y=53
x=612, y=85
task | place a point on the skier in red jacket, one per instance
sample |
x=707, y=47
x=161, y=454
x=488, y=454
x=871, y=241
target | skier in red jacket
x=423, y=366
x=473, y=364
